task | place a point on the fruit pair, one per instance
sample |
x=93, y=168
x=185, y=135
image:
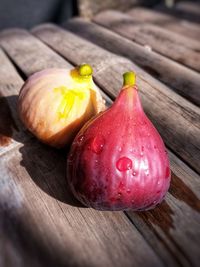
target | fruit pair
x=117, y=160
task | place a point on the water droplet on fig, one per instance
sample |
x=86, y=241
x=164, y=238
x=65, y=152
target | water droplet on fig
x=158, y=182
x=134, y=173
x=97, y=144
x=80, y=139
x=124, y=164
x=120, y=149
x=148, y=134
x=70, y=157
x=128, y=191
x=141, y=154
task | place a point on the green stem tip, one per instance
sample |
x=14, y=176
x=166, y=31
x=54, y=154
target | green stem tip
x=129, y=78
x=85, y=70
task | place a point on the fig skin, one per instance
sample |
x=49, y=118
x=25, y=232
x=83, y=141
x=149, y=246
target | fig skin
x=118, y=160
x=55, y=103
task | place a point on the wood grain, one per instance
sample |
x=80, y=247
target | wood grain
x=36, y=202
x=174, y=220
x=181, y=12
x=11, y=129
x=177, y=47
x=184, y=27
x=189, y=6
x=183, y=80
x=59, y=238
x=89, y=8
x=42, y=225
x=176, y=118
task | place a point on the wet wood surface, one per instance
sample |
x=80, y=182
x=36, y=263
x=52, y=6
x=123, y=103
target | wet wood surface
x=41, y=224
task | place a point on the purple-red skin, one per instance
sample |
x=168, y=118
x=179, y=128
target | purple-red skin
x=118, y=160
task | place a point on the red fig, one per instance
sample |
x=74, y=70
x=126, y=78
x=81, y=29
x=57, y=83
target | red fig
x=118, y=160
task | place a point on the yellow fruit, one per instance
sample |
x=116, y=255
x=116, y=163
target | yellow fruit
x=55, y=103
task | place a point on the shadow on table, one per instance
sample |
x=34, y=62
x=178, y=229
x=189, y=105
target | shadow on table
x=45, y=165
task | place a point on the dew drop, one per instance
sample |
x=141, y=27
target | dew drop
x=80, y=139
x=141, y=154
x=119, y=195
x=158, y=183
x=124, y=164
x=119, y=149
x=148, y=134
x=128, y=191
x=97, y=144
x=134, y=173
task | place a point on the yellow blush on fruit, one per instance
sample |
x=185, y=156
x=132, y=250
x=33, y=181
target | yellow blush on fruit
x=55, y=103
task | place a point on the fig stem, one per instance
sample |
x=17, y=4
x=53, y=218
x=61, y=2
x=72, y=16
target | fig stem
x=85, y=70
x=129, y=78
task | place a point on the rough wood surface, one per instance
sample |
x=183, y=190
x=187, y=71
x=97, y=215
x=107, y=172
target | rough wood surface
x=177, y=11
x=42, y=225
x=180, y=78
x=177, y=47
x=11, y=130
x=65, y=234
x=88, y=8
x=176, y=118
x=174, y=220
x=144, y=15
x=189, y=6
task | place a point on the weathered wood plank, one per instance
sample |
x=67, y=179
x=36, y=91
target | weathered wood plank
x=177, y=47
x=47, y=182
x=179, y=12
x=11, y=130
x=144, y=15
x=25, y=41
x=89, y=8
x=180, y=78
x=36, y=202
x=171, y=202
x=40, y=224
x=189, y=6
x=171, y=221
x=176, y=118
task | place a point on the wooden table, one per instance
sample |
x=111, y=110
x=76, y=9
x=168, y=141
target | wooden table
x=41, y=224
